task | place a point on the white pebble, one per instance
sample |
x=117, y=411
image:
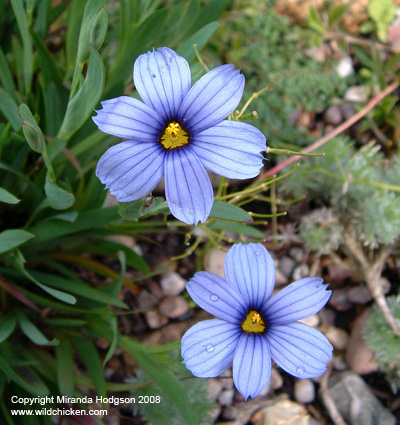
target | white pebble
x=345, y=67
x=172, y=283
x=304, y=391
x=173, y=307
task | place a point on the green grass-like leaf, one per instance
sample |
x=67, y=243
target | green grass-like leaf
x=11, y=238
x=231, y=212
x=7, y=197
x=83, y=102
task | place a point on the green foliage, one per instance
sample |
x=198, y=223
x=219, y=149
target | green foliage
x=360, y=188
x=321, y=230
x=270, y=51
x=134, y=210
x=382, y=12
x=55, y=231
x=376, y=72
x=376, y=67
x=384, y=343
x=164, y=413
x=224, y=210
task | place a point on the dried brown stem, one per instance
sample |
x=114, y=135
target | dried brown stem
x=328, y=400
x=338, y=130
x=372, y=275
x=351, y=39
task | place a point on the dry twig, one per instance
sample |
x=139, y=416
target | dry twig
x=372, y=275
x=338, y=130
x=328, y=400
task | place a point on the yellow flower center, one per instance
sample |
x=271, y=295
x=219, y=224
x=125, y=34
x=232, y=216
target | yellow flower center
x=174, y=136
x=253, y=323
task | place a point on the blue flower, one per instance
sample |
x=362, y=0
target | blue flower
x=177, y=132
x=254, y=328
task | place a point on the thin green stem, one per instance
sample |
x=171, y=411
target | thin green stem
x=268, y=215
x=203, y=64
x=252, y=97
x=190, y=250
x=274, y=209
x=222, y=185
x=290, y=152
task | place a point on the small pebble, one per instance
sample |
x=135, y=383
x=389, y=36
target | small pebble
x=228, y=413
x=172, y=283
x=108, y=373
x=286, y=266
x=317, y=53
x=280, y=278
x=328, y=316
x=359, y=295
x=328, y=129
x=125, y=240
x=304, y=121
x=333, y=115
x=155, y=289
x=282, y=412
x=339, y=300
x=358, y=355
x=301, y=271
x=214, y=387
x=338, y=273
x=173, y=307
x=337, y=337
x=146, y=300
x=227, y=382
x=297, y=253
x=225, y=398
x=265, y=391
x=215, y=262
x=356, y=94
x=294, y=116
x=304, y=391
x=103, y=343
x=312, y=321
x=348, y=110
x=276, y=379
x=154, y=319
x=339, y=363
x=345, y=67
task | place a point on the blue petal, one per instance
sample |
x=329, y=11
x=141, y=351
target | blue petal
x=207, y=348
x=212, y=98
x=215, y=295
x=162, y=79
x=252, y=270
x=230, y=149
x=299, y=300
x=131, y=169
x=299, y=349
x=251, y=365
x=187, y=187
x=128, y=117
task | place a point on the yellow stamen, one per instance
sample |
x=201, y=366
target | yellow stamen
x=173, y=128
x=253, y=323
x=174, y=136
